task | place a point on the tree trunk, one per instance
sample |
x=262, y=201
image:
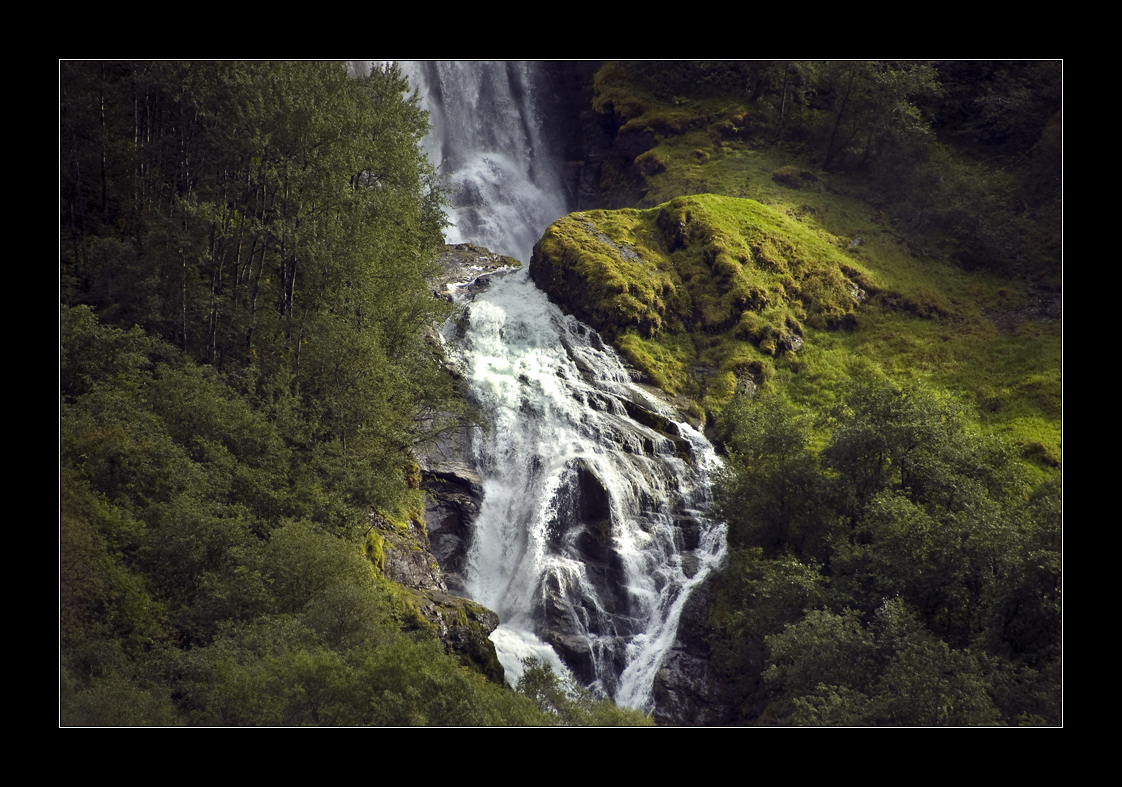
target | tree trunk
x=832, y=148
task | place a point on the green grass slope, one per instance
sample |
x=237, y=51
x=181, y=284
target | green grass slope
x=772, y=272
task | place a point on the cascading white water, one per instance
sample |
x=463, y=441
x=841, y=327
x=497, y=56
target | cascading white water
x=592, y=530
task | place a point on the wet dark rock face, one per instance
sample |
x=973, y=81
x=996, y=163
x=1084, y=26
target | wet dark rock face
x=688, y=690
x=581, y=527
x=454, y=494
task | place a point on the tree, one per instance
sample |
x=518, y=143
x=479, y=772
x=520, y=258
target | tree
x=864, y=110
x=770, y=491
x=276, y=221
x=831, y=669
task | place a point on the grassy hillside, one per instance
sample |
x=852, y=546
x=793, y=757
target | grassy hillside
x=707, y=292
x=725, y=283
x=869, y=318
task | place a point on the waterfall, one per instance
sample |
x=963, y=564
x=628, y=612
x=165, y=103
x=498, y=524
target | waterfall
x=487, y=136
x=592, y=530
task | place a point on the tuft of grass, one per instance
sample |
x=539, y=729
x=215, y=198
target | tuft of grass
x=667, y=361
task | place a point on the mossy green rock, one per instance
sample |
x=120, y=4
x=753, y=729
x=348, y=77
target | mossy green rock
x=464, y=627
x=403, y=552
x=702, y=289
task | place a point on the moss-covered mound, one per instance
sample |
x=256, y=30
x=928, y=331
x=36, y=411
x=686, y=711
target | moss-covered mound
x=700, y=290
x=721, y=291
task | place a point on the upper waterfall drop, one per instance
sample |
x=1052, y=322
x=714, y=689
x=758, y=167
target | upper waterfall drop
x=487, y=138
x=592, y=530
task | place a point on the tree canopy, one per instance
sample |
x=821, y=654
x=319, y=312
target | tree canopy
x=901, y=574
x=244, y=374
x=273, y=220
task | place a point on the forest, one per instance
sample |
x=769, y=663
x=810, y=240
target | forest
x=245, y=372
x=247, y=369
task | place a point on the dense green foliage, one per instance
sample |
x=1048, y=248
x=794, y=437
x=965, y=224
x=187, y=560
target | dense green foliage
x=901, y=575
x=274, y=220
x=244, y=375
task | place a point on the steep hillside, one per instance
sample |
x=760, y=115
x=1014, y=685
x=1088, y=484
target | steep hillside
x=869, y=319
x=247, y=370
x=708, y=295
